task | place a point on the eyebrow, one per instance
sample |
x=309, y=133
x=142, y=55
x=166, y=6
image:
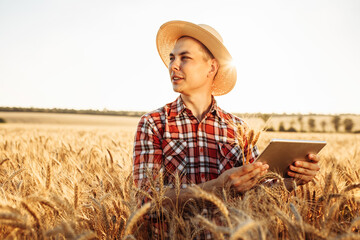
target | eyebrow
x=182, y=53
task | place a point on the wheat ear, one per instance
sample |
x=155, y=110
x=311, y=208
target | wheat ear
x=136, y=216
x=250, y=137
x=351, y=187
x=32, y=213
x=76, y=196
x=210, y=226
x=105, y=217
x=256, y=138
x=14, y=224
x=10, y=216
x=3, y=161
x=68, y=230
x=215, y=200
x=12, y=176
x=48, y=177
x=239, y=232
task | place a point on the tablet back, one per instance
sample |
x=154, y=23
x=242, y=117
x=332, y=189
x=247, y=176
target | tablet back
x=280, y=153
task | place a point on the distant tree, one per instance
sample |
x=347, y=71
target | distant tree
x=2, y=120
x=348, y=124
x=300, y=120
x=292, y=122
x=270, y=129
x=265, y=117
x=311, y=123
x=291, y=129
x=336, y=121
x=323, y=125
x=281, y=127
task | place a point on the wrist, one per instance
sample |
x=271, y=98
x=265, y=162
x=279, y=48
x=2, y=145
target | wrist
x=213, y=185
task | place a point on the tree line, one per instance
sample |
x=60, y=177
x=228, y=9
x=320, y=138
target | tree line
x=74, y=111
x=336, y=122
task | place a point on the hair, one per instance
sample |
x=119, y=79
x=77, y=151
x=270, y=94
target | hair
x=207, y=54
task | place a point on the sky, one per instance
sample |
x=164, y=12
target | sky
x=292, y=56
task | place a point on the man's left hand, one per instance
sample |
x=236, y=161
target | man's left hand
x=304, y=170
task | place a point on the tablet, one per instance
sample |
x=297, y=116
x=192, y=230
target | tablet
x=280, y=153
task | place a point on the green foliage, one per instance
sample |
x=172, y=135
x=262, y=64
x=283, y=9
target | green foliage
x=348, y=124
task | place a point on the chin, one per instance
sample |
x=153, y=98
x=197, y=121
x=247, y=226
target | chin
x=177, y=89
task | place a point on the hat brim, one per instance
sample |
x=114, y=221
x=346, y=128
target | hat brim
x=170, y=32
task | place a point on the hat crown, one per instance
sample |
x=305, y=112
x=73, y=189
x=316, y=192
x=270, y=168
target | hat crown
x=212, y=31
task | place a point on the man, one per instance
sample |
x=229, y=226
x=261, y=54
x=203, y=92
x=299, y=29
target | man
x=192, y=136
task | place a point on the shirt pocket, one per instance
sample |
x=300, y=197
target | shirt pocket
x=175, y=155
x=230, y=156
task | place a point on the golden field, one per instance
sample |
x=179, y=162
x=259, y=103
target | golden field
x=73, y=181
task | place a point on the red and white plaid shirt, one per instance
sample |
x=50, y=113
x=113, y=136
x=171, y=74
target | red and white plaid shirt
x=172, y=138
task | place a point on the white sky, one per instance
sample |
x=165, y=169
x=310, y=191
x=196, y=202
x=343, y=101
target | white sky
x=292, y=56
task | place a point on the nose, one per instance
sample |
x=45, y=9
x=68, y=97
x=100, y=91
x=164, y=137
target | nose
x=174, y=65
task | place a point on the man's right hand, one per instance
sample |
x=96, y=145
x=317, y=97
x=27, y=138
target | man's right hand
x=243, y=178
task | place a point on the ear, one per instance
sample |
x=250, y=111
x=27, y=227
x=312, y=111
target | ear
x=214, y=67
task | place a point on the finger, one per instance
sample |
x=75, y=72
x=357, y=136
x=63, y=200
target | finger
x=308, y=165
x=246, y=186
x=303, y=171
x=244, y=170
x=250, y=176
x=304, y=178
x=242, y=185
x=312, y=157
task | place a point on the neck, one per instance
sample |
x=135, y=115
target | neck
x=198, y=104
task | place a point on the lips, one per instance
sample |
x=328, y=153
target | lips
x=176, y=78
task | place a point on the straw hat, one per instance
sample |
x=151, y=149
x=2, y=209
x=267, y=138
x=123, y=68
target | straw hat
x=171, y=31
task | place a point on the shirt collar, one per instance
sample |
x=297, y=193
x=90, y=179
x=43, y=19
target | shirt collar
x=178, y=106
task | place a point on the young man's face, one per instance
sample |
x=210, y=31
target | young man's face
x=190, y=67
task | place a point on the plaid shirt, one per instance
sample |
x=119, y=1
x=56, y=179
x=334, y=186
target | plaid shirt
x=172, y=138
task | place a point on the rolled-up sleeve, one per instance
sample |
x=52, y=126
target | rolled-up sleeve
x=147, y=155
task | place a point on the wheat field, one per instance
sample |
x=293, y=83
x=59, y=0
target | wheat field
x=74, y=182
